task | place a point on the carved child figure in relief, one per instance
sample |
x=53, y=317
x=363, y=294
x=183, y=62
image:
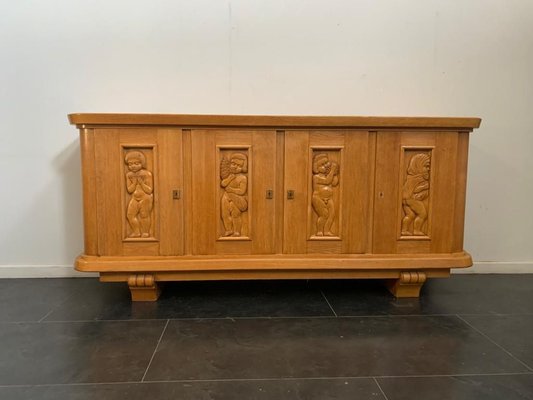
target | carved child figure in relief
x=140, y=184
x=234, y=201
x=325, y=178
x=415, y=192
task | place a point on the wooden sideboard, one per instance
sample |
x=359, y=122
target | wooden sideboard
x=209, y=197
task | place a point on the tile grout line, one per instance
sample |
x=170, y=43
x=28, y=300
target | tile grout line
x=57, y=306
x=155, y=350
x=496, y=344
x=246, y=318
x=47, y=314
x=382, y=391
x=42, y=320
x=264, y=379
x=325, y=298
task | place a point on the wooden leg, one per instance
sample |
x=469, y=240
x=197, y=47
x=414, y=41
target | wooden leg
x=143, y=287
x=408, y=285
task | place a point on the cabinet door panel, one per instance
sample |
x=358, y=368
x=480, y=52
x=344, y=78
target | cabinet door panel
x=231, y=173
x=416, y=179
x=295, y=209
x=108, y=186
x=136, y=170
x=171, y=204
x=329, y=173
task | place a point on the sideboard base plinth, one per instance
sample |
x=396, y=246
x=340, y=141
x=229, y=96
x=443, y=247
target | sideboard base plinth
x=407, y=285
x=145, y=284
x=143, y=287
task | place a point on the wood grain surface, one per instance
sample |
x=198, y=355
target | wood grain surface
x=273, y=197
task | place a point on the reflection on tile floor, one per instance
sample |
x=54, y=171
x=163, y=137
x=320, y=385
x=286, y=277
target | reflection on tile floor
x=467, y=337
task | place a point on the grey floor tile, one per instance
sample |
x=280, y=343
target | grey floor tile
x=33, y=353
x=197, y=300
x=325, y=347
x=366, y=297
x=513, y=332
x=362, y=389
x=495, y=387
x=459, y=294
x=386, y=344
x=31, y=299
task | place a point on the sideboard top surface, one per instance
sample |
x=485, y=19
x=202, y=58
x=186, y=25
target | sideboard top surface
x=279, y=121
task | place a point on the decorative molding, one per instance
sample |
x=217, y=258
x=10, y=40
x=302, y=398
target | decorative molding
x=408, y=284
x=412, y=278
x=141, y=281
x=143, y=287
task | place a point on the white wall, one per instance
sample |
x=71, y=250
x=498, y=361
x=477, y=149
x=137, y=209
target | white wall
x=350, y=57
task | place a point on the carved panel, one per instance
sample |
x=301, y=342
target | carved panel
x=324, y=221
x=415, y=192
x=234, y=193
x=139, y=221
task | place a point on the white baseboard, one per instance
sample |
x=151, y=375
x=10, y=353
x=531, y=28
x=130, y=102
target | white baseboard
x=42, y=271
x=497, y=267
x=68, y=271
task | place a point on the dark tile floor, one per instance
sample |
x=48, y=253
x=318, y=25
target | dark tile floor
x=467, y=337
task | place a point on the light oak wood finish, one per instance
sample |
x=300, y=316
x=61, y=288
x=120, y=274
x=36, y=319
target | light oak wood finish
x=408, y=285
x=272, y=197
x=89, y=194
x=389, y=277
x=280, y=121
x=143, y=287
x=214, y=263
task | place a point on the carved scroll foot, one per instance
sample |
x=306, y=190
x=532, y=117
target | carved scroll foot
x=143, y=287
x=408, y=285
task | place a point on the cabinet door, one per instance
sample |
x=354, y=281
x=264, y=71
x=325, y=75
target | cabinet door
x=233, y=183
x=420, y=189
x=137, y=171
x=327, y=179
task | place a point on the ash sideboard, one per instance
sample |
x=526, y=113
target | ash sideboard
x=207, y=197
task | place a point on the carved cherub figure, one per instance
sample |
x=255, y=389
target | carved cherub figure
x=415, y=192
x=234, y=201
x=325, y=177
x=139, y=183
